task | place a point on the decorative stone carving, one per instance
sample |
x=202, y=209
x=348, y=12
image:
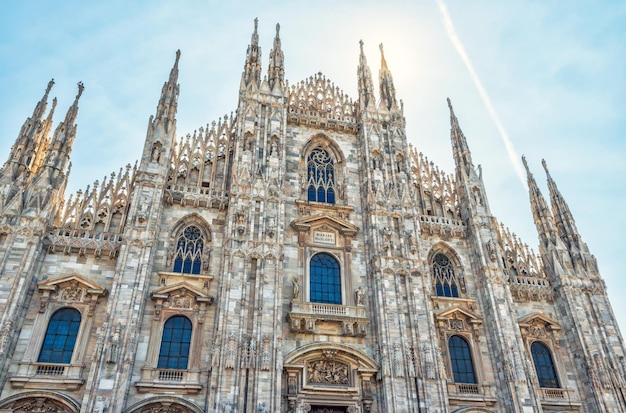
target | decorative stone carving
x=359, y=295
x=231, y=351
x=327, y=372
x=296, y=288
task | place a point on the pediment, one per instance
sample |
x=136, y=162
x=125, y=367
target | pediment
x=181, y=289
x=459, y=313
x=539, y=318
x=324, y=219
x=72, y=285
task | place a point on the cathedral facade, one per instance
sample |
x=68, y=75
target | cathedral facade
x=296, y=256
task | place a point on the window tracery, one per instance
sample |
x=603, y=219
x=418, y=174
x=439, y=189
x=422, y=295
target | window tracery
x=447, y=283
x=188, y=254
x=321, y=176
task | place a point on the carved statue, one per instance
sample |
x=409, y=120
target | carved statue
x=296, y=288
x=359, y=295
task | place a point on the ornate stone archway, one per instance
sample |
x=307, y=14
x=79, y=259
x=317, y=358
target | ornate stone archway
x=39, y=402
x=328, y=378
x=164, y=405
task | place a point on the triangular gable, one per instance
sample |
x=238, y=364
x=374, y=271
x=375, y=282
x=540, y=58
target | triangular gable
x=538, y=317
x=164, y=293
x=344, y=227
x=455, y=311
x=89, y=286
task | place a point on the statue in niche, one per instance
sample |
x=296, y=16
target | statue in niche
x=359, y=295
x=155, y=154
x=296, y=288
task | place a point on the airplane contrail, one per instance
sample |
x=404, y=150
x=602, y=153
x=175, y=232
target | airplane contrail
x=454, y=38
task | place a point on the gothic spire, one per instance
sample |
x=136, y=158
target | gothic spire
x=252, y=68
x=276, y=70
x=563, y=217
x=460, y=149
x=366, y=86
x=541, y=213
x=26, y=145
x=168, y=103
x=387, y=90
x=58, y=152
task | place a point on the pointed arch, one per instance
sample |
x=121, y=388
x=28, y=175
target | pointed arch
x=322, y=141
x=322, y=166
x=190, y=245
x=446, y=271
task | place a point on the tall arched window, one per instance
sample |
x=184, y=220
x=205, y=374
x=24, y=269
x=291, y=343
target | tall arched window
x=175, y=343
x=188, y=255
x=60, y=339
x=461, y=360
x=325, y=279
x=321, y=176
x=544, y=365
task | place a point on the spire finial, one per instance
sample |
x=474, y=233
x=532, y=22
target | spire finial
x=277, y=29
x=361, y=45
x=177, y=57
x=545, y=167
x=526, y=165
x=81, y=87
x=255, y=34
x=50, y=84
x=383, y=62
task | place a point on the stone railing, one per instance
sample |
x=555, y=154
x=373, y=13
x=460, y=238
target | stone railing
x=553, y=393
x=185, y=381
x=467, y=388
x=196, y=196
x=78, y=241
x=525, y=288
x=44, y=375
x=442, y=226
x=352, y=320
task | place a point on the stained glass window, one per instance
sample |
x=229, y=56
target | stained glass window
x=175, y=343
x=321, y=176
x=544, y=366
x=461, y=360
x=325, y=279
x=60, y=339
x=188, y=256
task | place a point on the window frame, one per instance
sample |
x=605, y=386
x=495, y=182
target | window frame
x=552, y=360
x=472, y=359
x=340, y=276
x=52, y=350
x=169, y=356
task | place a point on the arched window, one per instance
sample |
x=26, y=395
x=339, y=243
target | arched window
x=188, y=255
x=325, y=279
x=174, y=353
x=321, y=176
x=444, y=277
x=461, y=360
x=58, y=343
x=544, y=366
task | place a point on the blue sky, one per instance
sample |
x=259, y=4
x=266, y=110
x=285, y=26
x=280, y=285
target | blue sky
x=553, y=70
